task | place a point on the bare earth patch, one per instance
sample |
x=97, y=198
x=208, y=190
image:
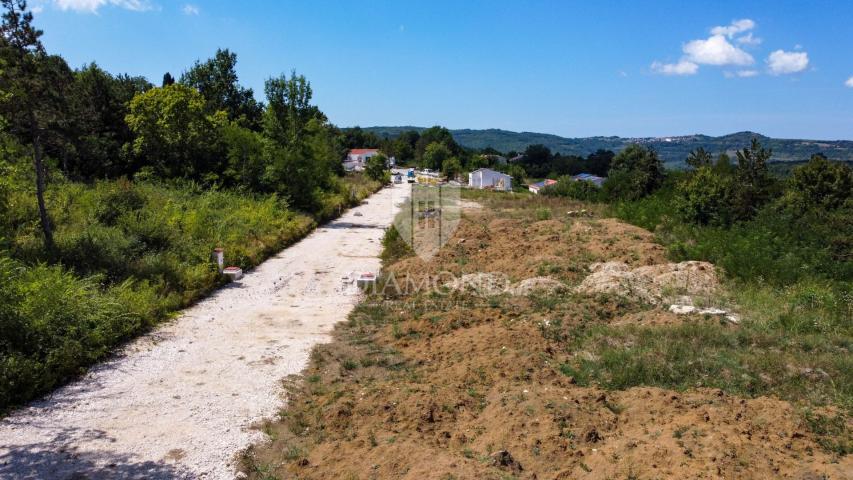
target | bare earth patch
x=473, y=387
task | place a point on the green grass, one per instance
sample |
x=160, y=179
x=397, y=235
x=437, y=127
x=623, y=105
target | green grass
x=128, y=255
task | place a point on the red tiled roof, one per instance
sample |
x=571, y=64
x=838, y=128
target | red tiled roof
x=361, y=151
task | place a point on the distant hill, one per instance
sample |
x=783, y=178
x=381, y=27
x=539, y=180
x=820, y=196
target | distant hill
x=672, y=150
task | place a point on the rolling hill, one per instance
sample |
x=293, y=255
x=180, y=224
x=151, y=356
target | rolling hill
x=673, y=150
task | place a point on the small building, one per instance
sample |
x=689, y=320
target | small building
x=357, y=159
x=538, y=186
x=487, y=178
x=588, y=177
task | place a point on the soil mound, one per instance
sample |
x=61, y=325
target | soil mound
x=652, y=284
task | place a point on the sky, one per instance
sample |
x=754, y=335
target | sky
x=571, y=68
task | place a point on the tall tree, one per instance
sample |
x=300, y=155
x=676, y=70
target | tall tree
x=33, y=99
x=289, y=108
x=174, y=133
x=699, y=158
x=754, y=180
x=168, y=79
x=635, y=172
x=100, y=103
x=216, y=80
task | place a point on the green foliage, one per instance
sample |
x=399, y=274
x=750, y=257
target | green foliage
x=99, y=105
x=130, y=254
x=706, y=197
x=451, y=167
x=174, y=132
x=699, y=158
x=377, y=167
x=216, y=80
x=430, y=136
x=53, y=322
x=434, y=156
x=634, y=173
x=820, y=184
x=754, y=184
x=567, y=186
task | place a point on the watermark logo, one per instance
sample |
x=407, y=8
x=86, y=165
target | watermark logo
x=428, y=217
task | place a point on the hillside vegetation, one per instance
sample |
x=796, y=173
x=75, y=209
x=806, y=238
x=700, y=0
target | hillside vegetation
x=672, y=150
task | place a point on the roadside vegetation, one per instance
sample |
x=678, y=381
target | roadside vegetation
x=114, y=192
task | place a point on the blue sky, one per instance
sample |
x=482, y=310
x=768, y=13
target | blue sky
x=570, y=68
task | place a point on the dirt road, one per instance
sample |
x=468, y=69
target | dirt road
x=180, y=402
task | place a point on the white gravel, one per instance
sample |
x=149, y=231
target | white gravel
x=180, y=402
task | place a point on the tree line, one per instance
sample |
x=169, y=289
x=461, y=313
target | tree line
x=87, y=124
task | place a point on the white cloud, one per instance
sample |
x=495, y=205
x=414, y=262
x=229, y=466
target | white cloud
x=746, y=73
x=782, y=62
x=749, y=40
x=683, y=67
x=849, y=82
x=189, y=9
x=37, y=9
x=737, y=26
x=92, y=6
x=716, y=50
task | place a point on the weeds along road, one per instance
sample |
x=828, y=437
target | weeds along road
x=181, y=401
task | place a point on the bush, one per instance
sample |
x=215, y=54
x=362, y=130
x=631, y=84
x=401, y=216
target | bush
x=130, y=254
x=634, y=173
x=707, y=198
x=566, y=186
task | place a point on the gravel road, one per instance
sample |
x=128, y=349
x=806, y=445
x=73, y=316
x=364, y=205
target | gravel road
x=180, y=402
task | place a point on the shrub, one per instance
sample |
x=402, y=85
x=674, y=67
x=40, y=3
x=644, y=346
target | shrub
x=567, y=186
x=706, y=198
x=634, y=173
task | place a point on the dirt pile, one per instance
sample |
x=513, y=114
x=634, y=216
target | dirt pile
x=490, y=284
x=653, y=284
x=460, y=389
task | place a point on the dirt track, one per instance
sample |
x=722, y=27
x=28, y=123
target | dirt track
x=180, y=402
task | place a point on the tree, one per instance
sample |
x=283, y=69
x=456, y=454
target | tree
x=699, y=158
x=288, y=108
x=376, y=167
x=435, y=155
x=635, y=172
x=174, y=133
x=723, y=166
x=754, y=183
x=99, y=107
x=598, y=163
x=820, y=184
x=517, y=173
x=706, y=197
x=451, y=167
x=244, y=153
x=216, y=80
x=34, y=98
x=435, y=135
x=168, y=79
x=290, y=122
